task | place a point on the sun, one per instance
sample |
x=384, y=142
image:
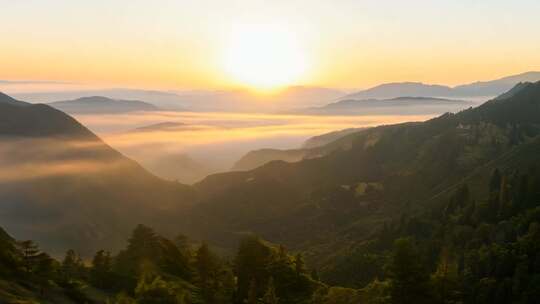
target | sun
x=264, y=57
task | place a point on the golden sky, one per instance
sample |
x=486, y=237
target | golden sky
x=264, y=44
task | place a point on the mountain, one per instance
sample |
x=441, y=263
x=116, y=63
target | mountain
x=168, y=163
x=495, y=87
x=242, y=100
x=316, y=146
x=20, y=119
x=325, y=139
x=394, y=106
x=399, y=89
x=327, y=205
x=101, y=105
x=161, y=99
x=62, y=186
x=257, y=158
x=178, y=166
x=5, y=99
x=162, y=126
x=476, y=89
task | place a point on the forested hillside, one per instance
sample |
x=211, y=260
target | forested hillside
x=329, y=207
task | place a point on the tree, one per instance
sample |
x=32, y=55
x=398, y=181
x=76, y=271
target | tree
x=270, y=296
x=72, y=266
x=409, y=280
x=495, y=181
x=43, y=270
x=252, y=297
x=101, y=271
x=299, y=264
x=30, y=255
x=153, y=290
x=226, y=287
x=143, y=249
x=173, y=261
x=207, y=266
x=445, y=279
x=315, y=275
x=184, y=246
x=251, y=264
x=376, y=292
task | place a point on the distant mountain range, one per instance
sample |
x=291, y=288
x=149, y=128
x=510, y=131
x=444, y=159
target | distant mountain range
x=248, y=101
x=101, y=105
x=240, y=100
x=476, y=89
x=161, y=99
x=394, y=106
x=291, y=98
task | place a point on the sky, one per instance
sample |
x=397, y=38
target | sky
x=204, y=44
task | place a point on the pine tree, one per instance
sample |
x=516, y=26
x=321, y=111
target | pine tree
x=72, y=266
x=101, y=269
x=409, y=280
x=299, y=264
x=207, y=268
x=270, y=296
x=30, y=255
x=252, y=262
x=315, y=275
x=154, y=290
x=252, y=297
x=495, y=182
x=143, y=250
x=182, y=242
x=445, y=278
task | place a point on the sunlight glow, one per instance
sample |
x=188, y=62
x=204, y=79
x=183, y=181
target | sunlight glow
x=264, y=57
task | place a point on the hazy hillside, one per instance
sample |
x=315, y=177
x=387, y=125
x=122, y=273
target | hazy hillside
x=62, y=186
x=178, y=167
x=394, y=106
x=399, y=89
x=316, y=146
x=101, y=105
x=257, y=158
x=324, y=139
x=162, y=126
x=495, y=87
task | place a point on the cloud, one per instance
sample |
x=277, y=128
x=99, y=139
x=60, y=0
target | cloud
x=214, y=140
x=26, y=159
x=219, y=138
x=32, y=82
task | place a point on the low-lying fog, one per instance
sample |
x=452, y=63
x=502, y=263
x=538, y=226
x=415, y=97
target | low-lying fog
x=187, y=146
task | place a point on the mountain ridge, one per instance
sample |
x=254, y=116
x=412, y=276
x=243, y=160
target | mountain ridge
x=475, y=89
x=101, y=105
